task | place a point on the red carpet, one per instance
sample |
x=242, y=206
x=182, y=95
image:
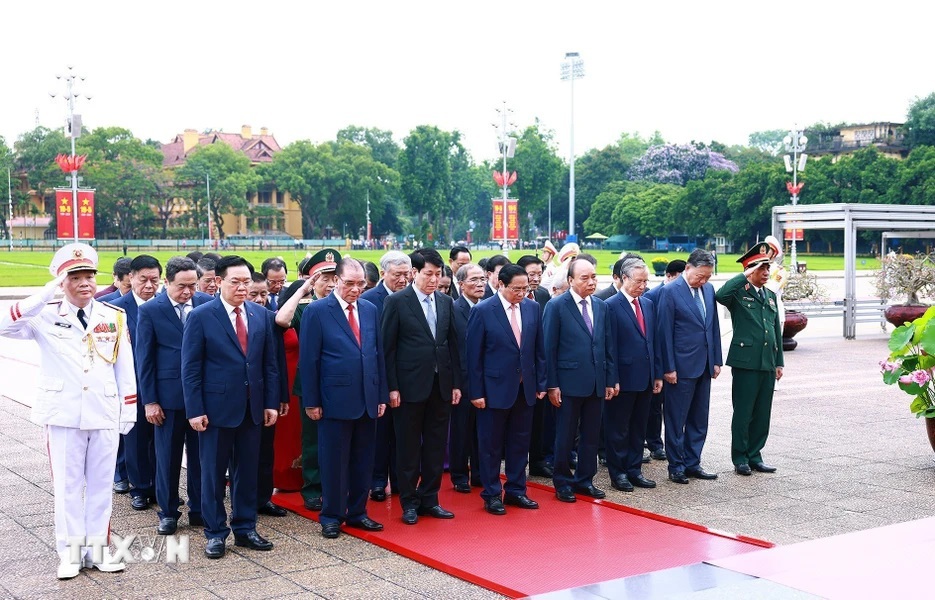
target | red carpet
x=556, y=547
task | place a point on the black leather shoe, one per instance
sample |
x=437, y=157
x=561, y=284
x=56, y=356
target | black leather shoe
x=494, y=506
x=543, y=470
x=621, y=483
x=658, y=455
x=378, y=494
x=435, y=511
x=762, y=467
x=463, y=488
x=215, y=548
x=252, y=540
x=122, y=486
x=313, y=504
x=272, y=510
x=521, y=501
x=678, y=477
x=367, y=524
x=140, y=502
x=566, y=495
x=167, y=526
x=195, y=520
x=330, y=530
x=700, y=473
x=743, y=469
x=410, y=516
x=590, y=490
x=641, y=482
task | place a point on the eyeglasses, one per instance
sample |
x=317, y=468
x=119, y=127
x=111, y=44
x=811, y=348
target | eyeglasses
x=518, y=290
x=276, y=281
x=239, y=283
x=475, y=280
x=354, y=284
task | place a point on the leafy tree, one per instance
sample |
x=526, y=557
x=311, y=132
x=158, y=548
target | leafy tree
x=126, y=188
x=678, y=164
x=593, y=172
x=539, y=170
x=425, y=173
x=702, y=210
x=920, y=122
x=751, y=196
x=768, y=141
x=35, y=153
x=384, y=149
x=632, y=146
x=231, y=176
x=915, y=178
x=6, y=168
x=645, y=208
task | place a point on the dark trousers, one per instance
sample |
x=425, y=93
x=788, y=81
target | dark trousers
x=504, y=432
x=264, y=477
x=752, y=396
x=141, y=455
x=463, y=461
x=581, y=416
x=238, y=447
x=384, y=453
x=654, y=423
x=421, y=434
x=346, y=458
x=311, y=476
x=541, y=442
x=169, y=438
x=686, y=415
x=120, y=471
x=624, y=425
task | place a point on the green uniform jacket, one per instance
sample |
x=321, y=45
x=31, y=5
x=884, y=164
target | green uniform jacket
x=757, y=342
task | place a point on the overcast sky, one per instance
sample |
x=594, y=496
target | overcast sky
x=699, y=71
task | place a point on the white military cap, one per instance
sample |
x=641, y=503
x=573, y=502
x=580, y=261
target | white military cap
x=73, y=257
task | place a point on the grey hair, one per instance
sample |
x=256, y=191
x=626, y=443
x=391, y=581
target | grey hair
x=631, y=263
x=462, y=273
x=700, y=258
x=394, y=258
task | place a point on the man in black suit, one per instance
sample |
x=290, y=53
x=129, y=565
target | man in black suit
x=421, y=350
x=274, y=271
x=608, y=292
x=492, y=268
x=395, y=268
x=457, y=258
x=462, y=439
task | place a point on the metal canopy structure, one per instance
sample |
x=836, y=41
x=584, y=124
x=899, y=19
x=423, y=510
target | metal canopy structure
x=851, y=218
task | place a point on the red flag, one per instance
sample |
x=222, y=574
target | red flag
x=64, y=217
x=86, y=214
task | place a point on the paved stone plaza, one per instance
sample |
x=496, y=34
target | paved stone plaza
x=849, y=453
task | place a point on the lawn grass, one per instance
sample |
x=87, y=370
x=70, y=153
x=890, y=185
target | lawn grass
x=25, y=268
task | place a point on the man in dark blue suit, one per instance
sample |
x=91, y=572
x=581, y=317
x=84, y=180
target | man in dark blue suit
x=158, y=351
x=690, y=349
x=463, y=453
x=274, y=271
x=395, y=268
x=581, y=376
x=341, y=360
x=506, y=367
x=140, y=450
x=230, y=380
x=635, y=354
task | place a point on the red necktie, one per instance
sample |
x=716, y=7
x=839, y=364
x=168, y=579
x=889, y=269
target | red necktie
x=241, y=330
x=531, y=296
x=352, y=321
x=639, y=316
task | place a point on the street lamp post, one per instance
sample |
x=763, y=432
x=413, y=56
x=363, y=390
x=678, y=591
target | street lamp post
x=572, y=68
x=507, y=149
x=73, y=129
x=795, y=143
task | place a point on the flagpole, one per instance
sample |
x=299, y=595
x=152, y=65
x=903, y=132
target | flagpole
x=9, y=187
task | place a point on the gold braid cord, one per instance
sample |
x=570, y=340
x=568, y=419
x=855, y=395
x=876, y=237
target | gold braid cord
x=92, y=347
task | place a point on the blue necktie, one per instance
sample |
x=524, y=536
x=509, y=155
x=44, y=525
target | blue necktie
x=699, y=302
x=586, y=316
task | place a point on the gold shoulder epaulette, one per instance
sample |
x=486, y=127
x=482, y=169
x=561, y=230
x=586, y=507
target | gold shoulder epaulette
x=109, y=305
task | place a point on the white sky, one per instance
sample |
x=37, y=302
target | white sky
x=693, y=70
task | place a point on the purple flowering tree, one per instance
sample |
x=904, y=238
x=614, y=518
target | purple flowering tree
x=678, y=164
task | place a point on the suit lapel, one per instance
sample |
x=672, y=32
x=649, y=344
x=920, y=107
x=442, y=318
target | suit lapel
x=416, y=307
x=631, y=312
x=334, y=307
x=256, y=322
x=441, y=314
x=500, y=315
x=165, y=305
x=576, y=314
x=687, y=296
x=224, y=321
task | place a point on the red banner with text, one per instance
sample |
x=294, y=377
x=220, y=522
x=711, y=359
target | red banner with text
x=512, y=220
x=65, y=214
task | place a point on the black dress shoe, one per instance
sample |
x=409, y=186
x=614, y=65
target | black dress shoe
x=435, y=511
x=252, y=540
x=621, y=483
x=378, y=494
x=367, y=524
x=543, y=470
x=196, y=520
x=743, y=469
x=215, y=548
x=410, y=516
x=463, y=488
x=658, y=455
x=566, y=495
x=494, y=506
x=700, y=473
x=521, y=501
x=313, y=504
x=641, y=482
x=590, y=490
x=678, y=477
x=762, y=467
x=122, y=486
x=167, y=526
x=330, y=530
x=272, y=510
x=140, y=502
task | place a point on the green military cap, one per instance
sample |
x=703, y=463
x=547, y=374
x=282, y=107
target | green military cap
x=759, y=253
x=324, y=261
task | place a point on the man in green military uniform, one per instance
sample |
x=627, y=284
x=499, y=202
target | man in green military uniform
x=319, y=269
x=755, y=357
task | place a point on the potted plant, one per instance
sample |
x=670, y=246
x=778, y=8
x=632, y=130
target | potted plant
x=911, y=366
x=799, y=288
x=905, y=276
x=659, y=265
